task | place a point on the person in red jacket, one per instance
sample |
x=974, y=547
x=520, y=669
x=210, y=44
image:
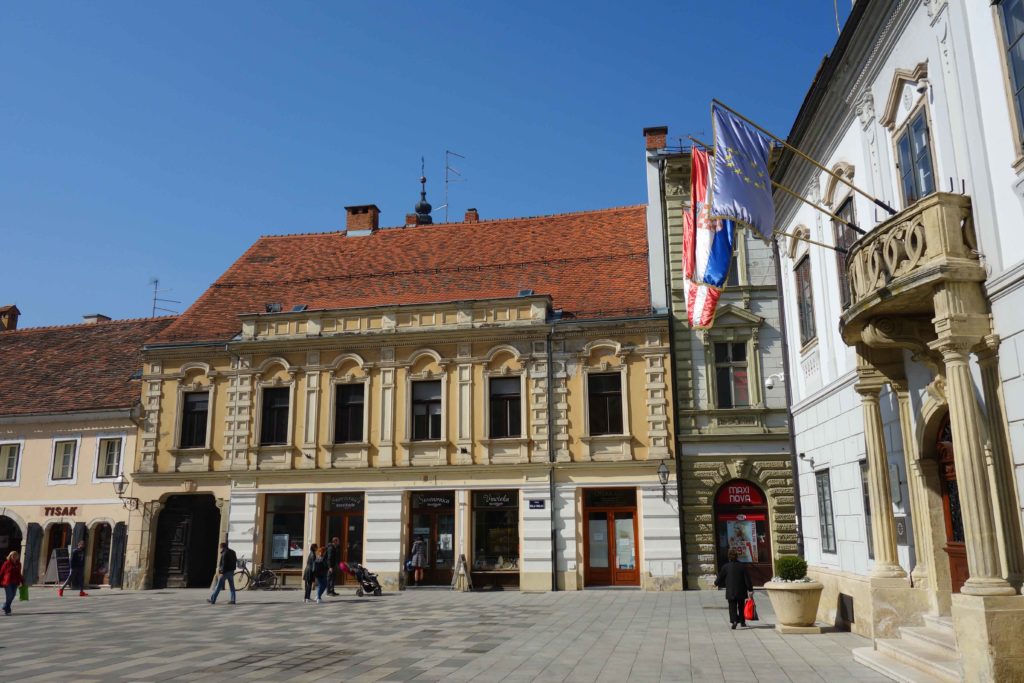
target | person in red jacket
x=11, y=578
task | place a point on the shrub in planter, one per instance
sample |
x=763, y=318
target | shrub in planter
x=794, y=596
x=791, y=568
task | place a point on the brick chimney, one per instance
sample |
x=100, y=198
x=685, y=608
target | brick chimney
x=363, y=219
x=9, y=317
x=655, y=137
x=472, y=216
x=93, y=318
x=411, y=220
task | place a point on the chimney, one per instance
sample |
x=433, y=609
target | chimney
x=411, y=220
x=9, y=317
x=655, y=137
x=93, y=318
x=472, y=216
x=362, y=220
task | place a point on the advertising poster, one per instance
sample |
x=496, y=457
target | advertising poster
x=279, y=547
x=742, y=536
x=295, y=547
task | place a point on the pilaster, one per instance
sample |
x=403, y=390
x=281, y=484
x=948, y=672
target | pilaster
x=464, y=403
x=311, y=420
x=238, y=413
x=388, y=369
x=918, y=496
x=153, y=393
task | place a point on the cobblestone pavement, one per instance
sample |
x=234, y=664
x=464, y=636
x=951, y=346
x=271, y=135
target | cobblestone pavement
x=418, y=635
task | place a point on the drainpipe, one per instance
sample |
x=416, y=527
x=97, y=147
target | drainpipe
x=789, y=402
x=552, y=457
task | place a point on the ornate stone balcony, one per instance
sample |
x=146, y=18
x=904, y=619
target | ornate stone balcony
x=896, y=269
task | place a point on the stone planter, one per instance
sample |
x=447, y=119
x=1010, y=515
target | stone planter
x=795, y=605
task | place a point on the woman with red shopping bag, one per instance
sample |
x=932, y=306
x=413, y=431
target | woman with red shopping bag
x=733, y=577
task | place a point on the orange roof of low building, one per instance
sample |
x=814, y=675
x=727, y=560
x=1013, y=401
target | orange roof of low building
x=592, y=264
x=86, y=367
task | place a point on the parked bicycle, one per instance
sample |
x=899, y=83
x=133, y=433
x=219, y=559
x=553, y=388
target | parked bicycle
x=264, y=578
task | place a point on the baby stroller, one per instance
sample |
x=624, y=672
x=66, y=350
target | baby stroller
x=368, y=582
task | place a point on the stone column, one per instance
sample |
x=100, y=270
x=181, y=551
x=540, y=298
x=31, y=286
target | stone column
x=1002, y=479
x=879, y=494
x=971, y=475
x=918, y=494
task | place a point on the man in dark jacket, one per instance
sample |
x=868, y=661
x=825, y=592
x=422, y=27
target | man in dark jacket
x=225, y=572
x=333, y=555
x=735, y=579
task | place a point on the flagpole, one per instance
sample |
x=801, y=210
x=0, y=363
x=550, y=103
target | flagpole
x=790, y=192
x=875, y=200
x=790, y=235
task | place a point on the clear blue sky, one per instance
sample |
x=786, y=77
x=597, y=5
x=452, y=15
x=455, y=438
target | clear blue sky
x=139, y=140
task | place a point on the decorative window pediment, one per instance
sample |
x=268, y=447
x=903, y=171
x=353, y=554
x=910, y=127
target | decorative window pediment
x=908, y=86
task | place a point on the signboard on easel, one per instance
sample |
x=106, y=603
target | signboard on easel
x=58, y=569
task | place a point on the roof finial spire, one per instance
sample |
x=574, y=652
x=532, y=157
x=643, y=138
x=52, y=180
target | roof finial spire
x=423, y=206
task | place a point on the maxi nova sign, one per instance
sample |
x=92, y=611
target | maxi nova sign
x=739, y=493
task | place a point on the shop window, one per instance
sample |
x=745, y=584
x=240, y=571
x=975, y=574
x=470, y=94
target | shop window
x=274, y=416
x=9, y=454
x=426, y=410
x=505, y=414
x=108, y=461
x=826, y=521
x=731, y=379
x=805, y=301
x=741, y=523
x=496, y=531
x=348, y=413
x=284, y=521
x=193, y=419
x=867, y=507
x=64, y=460
x=914, y=159
x=1013, y=26
x=845, y=236
x=605, y=403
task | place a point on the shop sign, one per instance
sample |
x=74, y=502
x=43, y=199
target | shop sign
x=536, y=504
x=496, y=499
x=739, y=494
x=60, y=510
x=433, y=500
x=345, y=501
x=611, y=498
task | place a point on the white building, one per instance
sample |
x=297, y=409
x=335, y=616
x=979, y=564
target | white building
x=906, y=355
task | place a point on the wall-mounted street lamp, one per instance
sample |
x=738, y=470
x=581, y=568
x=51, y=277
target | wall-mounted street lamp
x=663, y=478
x=120, y=486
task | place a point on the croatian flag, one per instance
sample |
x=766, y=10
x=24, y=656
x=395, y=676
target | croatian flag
x=707, y=249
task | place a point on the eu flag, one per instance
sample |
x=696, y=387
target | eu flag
x=741, y=190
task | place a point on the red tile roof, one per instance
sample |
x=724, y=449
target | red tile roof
x=593, y=264
x=73, y=367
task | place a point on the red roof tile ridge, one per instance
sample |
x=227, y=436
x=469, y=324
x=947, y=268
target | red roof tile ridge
x=68, y=326
x=400, y=228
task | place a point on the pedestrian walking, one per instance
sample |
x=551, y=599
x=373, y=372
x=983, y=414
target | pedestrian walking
x=307, y=573
x=419, y=559
x=225, y=572
x=77, y=576
x=11, y=579
x=320, y=572
x=333, y=555
x=735, y=579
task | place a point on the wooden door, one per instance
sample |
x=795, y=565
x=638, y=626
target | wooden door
x=954, y=548
x=100, y=568
x=610, y=548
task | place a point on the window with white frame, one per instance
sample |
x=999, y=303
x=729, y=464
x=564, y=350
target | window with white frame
x=9, y=455
x=505, y=407
x=1013, y=31
x=349, y=402
x=63, y=460
x=732, y=384
x=108, y=459
x=914, y=158
x=805, y=300
x=274, y=416
x=426, y=410
x=826, y=521
x=604, y=400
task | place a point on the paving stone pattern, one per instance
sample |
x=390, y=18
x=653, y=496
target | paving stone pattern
x=417, y=635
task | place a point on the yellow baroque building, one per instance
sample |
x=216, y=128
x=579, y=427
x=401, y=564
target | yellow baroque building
x=500, y=389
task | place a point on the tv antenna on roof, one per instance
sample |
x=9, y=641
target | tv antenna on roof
x=155, y=281
x=448, y=169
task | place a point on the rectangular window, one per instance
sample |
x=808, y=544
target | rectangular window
x=805, y=300
x=426, y=410
x=731, y=375
x=733, y=278
x=9, y=453
x=274, y=416
x=914, y=152
x=605, y=402
x=193, y=419
x=1013, y=24
x=505, y=407
x=348, y=413
x=825, y=519
x=64, y=460
x=283, y=529
x=867, y=507
x=845, y=236
x=108, y=462
x=496, y=531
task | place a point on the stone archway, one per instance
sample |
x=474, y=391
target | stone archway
x=11, y=536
